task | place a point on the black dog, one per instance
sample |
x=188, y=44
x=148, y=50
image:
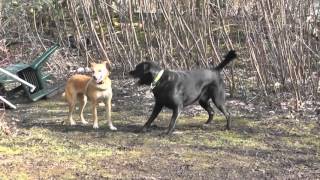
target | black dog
x=177, y=89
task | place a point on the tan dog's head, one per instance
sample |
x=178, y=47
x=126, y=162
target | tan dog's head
x=99, y=71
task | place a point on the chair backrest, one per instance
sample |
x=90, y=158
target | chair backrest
x=30, y=75
x=44, y=57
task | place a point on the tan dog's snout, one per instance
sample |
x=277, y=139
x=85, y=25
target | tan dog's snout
x=99, y=71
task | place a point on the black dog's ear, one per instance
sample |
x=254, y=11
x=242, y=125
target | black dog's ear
x=146, y=67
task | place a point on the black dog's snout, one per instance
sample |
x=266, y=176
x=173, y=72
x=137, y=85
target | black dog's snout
x=132, y=73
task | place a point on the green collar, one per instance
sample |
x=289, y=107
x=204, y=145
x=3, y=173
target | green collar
x=156, y=79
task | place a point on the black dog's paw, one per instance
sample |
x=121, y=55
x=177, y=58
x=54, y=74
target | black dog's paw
x=169, y=132
x=142, y=130
x=207, y=124
x=227, y=128
x=163, y=134
x=154, y=126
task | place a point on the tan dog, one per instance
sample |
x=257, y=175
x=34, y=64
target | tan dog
x=95, y=88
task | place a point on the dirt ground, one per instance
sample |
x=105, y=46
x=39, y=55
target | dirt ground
x=264, y=143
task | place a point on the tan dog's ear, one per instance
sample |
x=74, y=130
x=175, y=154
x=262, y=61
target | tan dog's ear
x=108, y=66
x=92, y=64
x=105, y=63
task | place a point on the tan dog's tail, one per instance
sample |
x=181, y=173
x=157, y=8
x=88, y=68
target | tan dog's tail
x=63, y=96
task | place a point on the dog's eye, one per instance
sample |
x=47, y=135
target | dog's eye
x=99, y=70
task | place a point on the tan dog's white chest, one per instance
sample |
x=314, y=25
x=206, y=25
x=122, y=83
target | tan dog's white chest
x=98, y=95
x=101, y=95
x=98, y=92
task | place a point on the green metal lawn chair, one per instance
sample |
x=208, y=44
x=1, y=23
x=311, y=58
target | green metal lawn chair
x=32, y=74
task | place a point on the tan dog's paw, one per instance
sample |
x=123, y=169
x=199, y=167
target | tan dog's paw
x=84, y=122
x=95, y=126
x=111, y=127
x=72, y=123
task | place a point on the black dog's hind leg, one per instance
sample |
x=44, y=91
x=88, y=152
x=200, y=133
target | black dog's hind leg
x=218, y=99
x=206, y=105
x=222, y=108
x=220, y=105
x=173, y=121
x=156, y=110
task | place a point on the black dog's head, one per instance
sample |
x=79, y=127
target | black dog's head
x=145, y=72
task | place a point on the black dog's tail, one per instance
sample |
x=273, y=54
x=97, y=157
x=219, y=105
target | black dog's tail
x=227, y=59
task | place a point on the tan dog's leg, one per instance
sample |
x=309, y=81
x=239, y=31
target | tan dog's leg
x=72, y=103
x=83, y=102
x=95, y=116
x=108, y=110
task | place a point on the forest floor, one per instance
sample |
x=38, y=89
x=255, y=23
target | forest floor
x=265, y=142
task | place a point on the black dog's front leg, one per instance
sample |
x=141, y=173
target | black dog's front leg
x=156, y=110
x=173, y=121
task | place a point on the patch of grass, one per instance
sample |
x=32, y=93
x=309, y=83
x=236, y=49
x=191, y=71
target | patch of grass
x=244, y=122
x=21, y=175
x=302, y=142
x=216, y=137
x=5, y=150
x=206, y=160
x=41, y=146
x=199, y=160
x=43, y=141
x=3, y=176
x=234, y=139
x=16, y=175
